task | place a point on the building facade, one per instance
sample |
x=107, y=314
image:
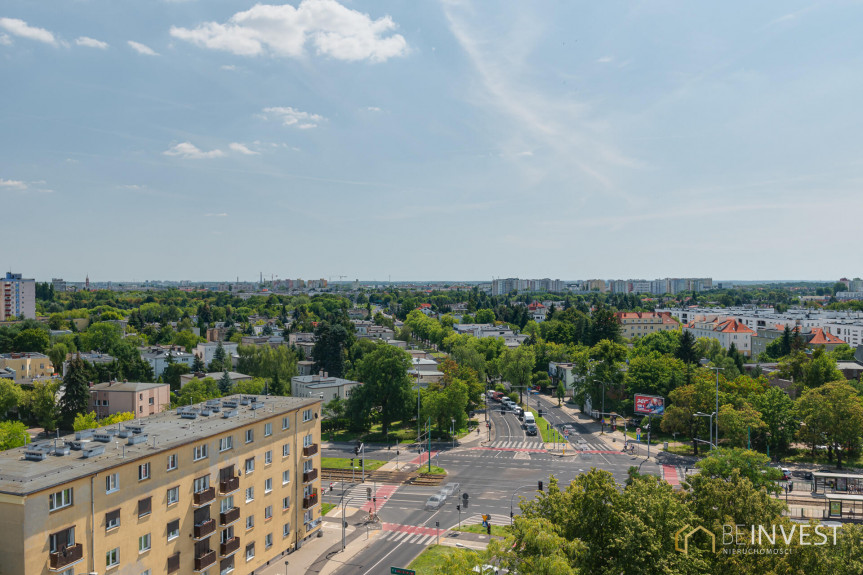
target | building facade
x=322, y=386
x=189, y=491
x=27, y=365
x=141, y=399
x=640, y=324
x=17, y=297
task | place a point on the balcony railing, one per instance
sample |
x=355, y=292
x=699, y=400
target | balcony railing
x=229, y=485
x=310, y=475
x=310, y=501
x=229, y=516
x=205, y=560
x=206, y=528
x=229, y=546
x=206, y=496
x=310, y=450
x=67, y=556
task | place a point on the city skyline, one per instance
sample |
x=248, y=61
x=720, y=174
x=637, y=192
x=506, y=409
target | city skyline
x=174, y=139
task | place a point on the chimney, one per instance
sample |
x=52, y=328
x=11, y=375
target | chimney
x=326, y=375
x=321, y=373
x=89, y=384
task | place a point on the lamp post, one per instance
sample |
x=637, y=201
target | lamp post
x=286, y=568
x=511, y=514
x=717, y=370
x=602, y=415
x=452, y=432
x=710, y=416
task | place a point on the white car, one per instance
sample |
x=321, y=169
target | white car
x=450, y=488
x=435, y=501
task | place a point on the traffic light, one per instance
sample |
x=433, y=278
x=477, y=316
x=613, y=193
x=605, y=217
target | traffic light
x=368, y=493
x=540, y=486
x=488, y=528
x=458, y=507
x=331, y=486
x=464, y=502
x=361, y=462
x=356, y=450
x=352, y=461
x=539, y=411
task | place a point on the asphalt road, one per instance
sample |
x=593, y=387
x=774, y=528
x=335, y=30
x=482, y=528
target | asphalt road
x=494, y=477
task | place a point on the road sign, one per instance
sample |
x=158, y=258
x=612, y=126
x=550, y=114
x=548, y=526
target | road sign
x=637, y=437
x=400, y=571
x=465, y=496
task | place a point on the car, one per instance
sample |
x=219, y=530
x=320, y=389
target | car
x=531, y=429
x=450, y=488
x=786, y=473
x=435, y=501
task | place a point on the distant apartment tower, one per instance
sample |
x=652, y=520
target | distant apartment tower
x=59, y=285
x=17, y=297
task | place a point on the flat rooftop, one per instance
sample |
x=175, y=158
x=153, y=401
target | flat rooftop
x=130, y=386
x=168, y=430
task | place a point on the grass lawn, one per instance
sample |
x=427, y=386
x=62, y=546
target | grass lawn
x=326, y=507
x=345, y=463
x=431, y=558
x=435, y=470
x=501, y=530
x=401, y=432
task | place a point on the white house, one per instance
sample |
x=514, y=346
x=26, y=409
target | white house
x=157, y=357
x=207, y=351
x=726, y=331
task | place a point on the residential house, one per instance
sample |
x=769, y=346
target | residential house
x=141, y=399
x=17, y=297
x=157, y=357
x=322, y=386
x=207, y=351
x=726, y=331
x=26, y=365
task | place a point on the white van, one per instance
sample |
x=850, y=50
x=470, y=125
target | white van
x=529, y=419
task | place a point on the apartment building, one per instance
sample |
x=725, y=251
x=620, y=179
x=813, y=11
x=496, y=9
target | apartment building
x=17, y=297
x=640, y=324
x=27, y=365
x=726, y=331
x=157, y=358
x=322, y=386
x=140, y=399
x=207, y=350
x=228, y=486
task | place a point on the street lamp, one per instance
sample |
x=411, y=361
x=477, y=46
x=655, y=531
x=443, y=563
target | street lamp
x=704, y=362
x=710, y=416
x=511, y=514
x=452, y=432
x=286, y=568
x=602, y=415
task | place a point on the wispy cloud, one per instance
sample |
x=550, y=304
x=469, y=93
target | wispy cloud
x=229, y=67
x=373, y=109
x=189, y=151
x=142, y=48
x=13, y=184
x=605, y=59
x=21, y=29
x=292, y=117
x=238, y=147
x=91, y=43
x=219, y=215
x=5, y=40
x=332, y=29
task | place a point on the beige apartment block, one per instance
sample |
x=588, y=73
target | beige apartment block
x=226, y=486
x=27, y=365
x=640, y=324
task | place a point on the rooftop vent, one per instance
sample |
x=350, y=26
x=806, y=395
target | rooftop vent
x=136, y=439
x=84, y=434
x=103, y=437
x=188, y=413
x=205, y=411
x=229, y=413
x=136, y=427
x=245, y=400
x=78, y=445
x=230, y=403
x=61, y=450
x=92, y=451
x=34, y=454
x=125, y=432
x=256, y=405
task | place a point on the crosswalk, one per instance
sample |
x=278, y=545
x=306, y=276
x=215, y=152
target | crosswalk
x=358, y=496
x=409, y=538
x=496, y=519
x=538, y=445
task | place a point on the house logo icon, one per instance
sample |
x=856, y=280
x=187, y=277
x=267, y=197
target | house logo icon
x=682, y=536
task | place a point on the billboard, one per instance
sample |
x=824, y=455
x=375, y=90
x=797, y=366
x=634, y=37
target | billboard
x=649, y=404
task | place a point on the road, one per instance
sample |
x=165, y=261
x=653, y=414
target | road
x=494, y=476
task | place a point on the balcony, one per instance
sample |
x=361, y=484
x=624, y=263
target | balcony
x=66, y=556
x=229, y=516
x=229, y=547
x=206, y=528
x=205, y=496
x=310, y=501
x=310, y=475
x=310, y=450
x=229, y=485
x=205, y=560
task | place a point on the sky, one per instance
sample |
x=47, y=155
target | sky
x=423, y=140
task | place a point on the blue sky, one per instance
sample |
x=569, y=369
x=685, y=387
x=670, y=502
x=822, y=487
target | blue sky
x=431, y=140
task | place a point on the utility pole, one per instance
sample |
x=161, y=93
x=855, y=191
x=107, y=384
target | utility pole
x=429, y=434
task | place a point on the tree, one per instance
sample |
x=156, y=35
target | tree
x=90, y=421
x=171, y=374
x=604, y=325
x=686, y=348
x=777, y=412
x=36, y=340
x=13, y=434
x=102, y=336
x=225, y=383
x=517, y=367
x=197, y=391
x=220, y=362
x=198, y=365
x=41, y=403
x=10, y=396
x=276, y=387
x=736, y=425
x=821, y=369
x=386, y=386
x=832, y=414
x=560, y=392
x=330, y=348
x=57, y=354
x=76, y=392
x=485, y=316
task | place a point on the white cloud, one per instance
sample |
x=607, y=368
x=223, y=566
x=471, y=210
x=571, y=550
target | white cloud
x=293, y=117
x=373, y=109
x=142, y=48
x=606, y=59
x=13, y=184
x=5, y=40
x=332, y=29
x=189, y=151
x=238, y=147
x=229, y=67
x=20, y=28
x=220, y=215
x=91, y=43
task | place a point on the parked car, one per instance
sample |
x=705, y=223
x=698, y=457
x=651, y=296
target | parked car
x=435, y=501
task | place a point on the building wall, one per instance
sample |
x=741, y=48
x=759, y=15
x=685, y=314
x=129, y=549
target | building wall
x=28, y=367
x=26, y=522
x=17, y=297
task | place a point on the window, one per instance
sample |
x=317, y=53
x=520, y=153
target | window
x=307, y=466
x=173, y=495
x=112, y=483
x=268, y=429
x=286, y=423
x=268, y=512
x=250, y=465
x=112, y=557
x=202, y=483
x=268, y=540
x=308, y=440
x=144, y=543
x=250, y=435
x=286, y=502
x=145, y=506
x=112, y=519
x=200, y=452
x=143, y=471
x=172, y=462
x=286, y=477
x=250, y=521
x=286, y=450
x=174, y=562
x=227, y=504
x=61, y=540
x=250, y=551
x=173, y=529
x=268, y=457
x=250, y=494
x=286, y=529
x=307, y=516
x=307, y=415
x=227, y=534
x=226, y=566
x=145, y=572
x=60, y=499
x=226, y=443
x=268, y=484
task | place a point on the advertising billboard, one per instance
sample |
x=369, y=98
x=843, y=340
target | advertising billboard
x=649, y=404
